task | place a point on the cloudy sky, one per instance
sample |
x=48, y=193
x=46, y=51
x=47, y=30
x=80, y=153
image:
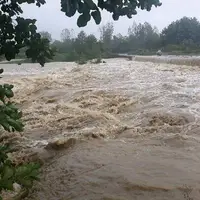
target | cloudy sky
x=51, y=19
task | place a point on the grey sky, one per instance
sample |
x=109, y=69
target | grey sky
x=51, y=19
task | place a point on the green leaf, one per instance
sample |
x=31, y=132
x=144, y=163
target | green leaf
x=33, y=28
x=26, y=170
x=26, y=182
x=16, y=125
x=115, y=16
x=91, y=4
x=134, y=12
x=82, y=21
x=26, y=174
x=5, y=125
x=20, y=114
x=7, y=185
x=81, y=7
x=9, y=93
x=8, y=172
x=30, y=1
x=97, y=16
x=3, y=153
x=69, y=7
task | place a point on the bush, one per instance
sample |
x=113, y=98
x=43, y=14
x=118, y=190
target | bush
x=10, y=120
x=71, y=56
x=82, y=60
x=24, y=174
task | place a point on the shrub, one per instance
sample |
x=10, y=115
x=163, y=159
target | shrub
x=10, y=120
x=82, y=60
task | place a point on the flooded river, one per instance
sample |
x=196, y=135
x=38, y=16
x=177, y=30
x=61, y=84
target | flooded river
x=119, y=130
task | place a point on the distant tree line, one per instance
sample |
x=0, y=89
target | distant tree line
x=180, y=37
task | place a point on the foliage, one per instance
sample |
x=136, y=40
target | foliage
x=10, y=120
x=24, y=175
x=141, y=39
x=106, y=36
x=17, y=32
x=82, y=60
x=184, y=32
x=91, y=9
x=10, y=117
x=143, y=36
x=47, y=35
x=83, y=46
x=67, y=34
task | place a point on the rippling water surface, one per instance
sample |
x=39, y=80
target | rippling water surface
x=135, y=129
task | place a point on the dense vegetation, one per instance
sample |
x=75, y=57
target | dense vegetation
x=10, y=120
x=180, y=37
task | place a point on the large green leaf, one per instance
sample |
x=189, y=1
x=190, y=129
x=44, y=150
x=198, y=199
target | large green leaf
x=6, y=185
x=97, y=16
x=91, y=4
x=9, y=93
x=82, y=21
x=8, y=172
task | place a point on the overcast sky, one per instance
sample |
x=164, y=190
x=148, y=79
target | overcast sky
x=51, y=19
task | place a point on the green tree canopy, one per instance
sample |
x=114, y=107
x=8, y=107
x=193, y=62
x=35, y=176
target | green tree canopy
x=183, y=31
x=106, y=35
x=17, y=32
x=47, y=35
x=144, y=36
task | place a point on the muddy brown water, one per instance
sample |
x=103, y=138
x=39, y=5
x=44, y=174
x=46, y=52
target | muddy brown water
x=135, y=129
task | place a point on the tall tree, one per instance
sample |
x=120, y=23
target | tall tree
x=47, y=35
x=80, y=42
x=183, y=31
x=67, y=34
x=143, y=36
x=93, y=47
x=106, y=35
x=120, y=44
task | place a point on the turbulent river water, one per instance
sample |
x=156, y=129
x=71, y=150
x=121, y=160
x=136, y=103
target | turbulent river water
x=129, y=130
